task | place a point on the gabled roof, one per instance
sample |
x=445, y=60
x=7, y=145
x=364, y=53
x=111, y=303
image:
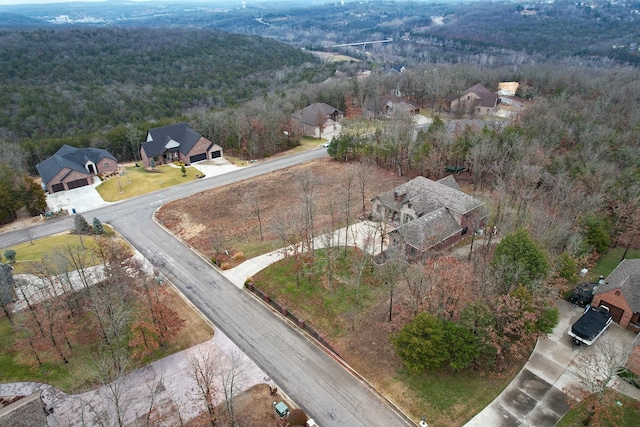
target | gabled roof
x=378, y=104
x=426, y=196
x=315, y=114
x=72, y=158
x=626, y=277
x=179, y=137
x=429, y=230
x=487, y=98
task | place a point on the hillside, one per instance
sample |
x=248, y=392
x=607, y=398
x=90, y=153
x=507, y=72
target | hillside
x=67, y=81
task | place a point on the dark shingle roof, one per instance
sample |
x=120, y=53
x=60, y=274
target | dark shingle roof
x=72, y=158
x=626, y=277
x=427, y=196
x=315, y=114
x=429, y=230
x=487, y=98
x=180, y=137
x=378, y=104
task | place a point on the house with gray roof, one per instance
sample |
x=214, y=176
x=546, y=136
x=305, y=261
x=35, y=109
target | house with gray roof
x=476, y=101
x=621, y=293
x=317, y=118
x=72, y=167
x=428, y=216
x=177, y=143
x=389, y=106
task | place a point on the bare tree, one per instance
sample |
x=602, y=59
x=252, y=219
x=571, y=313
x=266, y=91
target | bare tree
x=202, y=368
x=363, y=172
x=231, y=372
x=110, y=369
x=596, y=369
x=252, y=200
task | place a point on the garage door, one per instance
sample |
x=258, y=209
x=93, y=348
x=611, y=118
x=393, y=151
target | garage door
x=198, y=157
x=57, y=187
x=78, y=183
x=216, y=154
x=616, y=312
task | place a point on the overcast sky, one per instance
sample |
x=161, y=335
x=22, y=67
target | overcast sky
x=7, y=2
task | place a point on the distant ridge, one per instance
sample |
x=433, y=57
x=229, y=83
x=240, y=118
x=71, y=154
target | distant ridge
x=13, y=20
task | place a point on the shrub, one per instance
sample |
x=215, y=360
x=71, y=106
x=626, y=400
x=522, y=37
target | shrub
x=238, y=256
x=10, y=255
x=225, y=266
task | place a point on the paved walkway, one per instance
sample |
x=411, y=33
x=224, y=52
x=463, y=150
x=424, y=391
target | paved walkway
x=535, y=397
x=365, y=235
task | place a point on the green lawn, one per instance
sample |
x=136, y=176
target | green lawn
x=609, y=261
x=26, y=252
x=325, y=310
x=625, y=412
x=448, y=397
x=137, y=181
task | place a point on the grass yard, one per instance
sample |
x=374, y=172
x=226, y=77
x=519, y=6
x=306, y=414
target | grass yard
x=76, y=376
x=137, y=181
x=359, y=334
x=26, y=252
x=609, y=261
x=452, y=398
x=626, y=413
x=312, y=298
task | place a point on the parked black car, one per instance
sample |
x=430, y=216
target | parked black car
x=583, y=294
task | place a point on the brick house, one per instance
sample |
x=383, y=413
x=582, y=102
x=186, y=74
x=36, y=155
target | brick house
x=477, y=100
x=428, y=216
x=621, y=293
x=72, y=167
x=317, y=118
x=178, y=142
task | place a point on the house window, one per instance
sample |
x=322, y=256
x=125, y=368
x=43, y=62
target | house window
x=468, y=97
x=107, y=165
x=487, y=110
x=464, y=231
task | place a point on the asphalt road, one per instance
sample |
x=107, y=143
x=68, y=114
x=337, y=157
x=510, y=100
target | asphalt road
x=315, y=381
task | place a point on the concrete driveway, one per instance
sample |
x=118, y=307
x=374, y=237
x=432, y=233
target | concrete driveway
x=87, y=198
x=535, y=397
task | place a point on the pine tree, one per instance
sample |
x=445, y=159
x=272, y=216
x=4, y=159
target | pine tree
x=81, y=224
x=97, y=226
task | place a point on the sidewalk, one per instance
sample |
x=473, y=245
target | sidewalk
x=363, y=234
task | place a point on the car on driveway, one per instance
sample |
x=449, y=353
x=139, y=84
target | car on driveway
x=582, y=295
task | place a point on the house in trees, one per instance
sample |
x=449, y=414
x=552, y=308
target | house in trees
x=72, y=167
x=621, y=293
x=316, y=119
x=389, y=106
x=476, y=101
x=425, y=216
x=178, y=142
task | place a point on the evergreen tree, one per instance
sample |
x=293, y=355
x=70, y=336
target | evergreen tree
x=81, y=224
x=97, y=227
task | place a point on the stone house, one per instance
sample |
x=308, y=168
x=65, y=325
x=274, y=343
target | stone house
x=428, y=216
x=72, y=167
x=177, y=143
x=317, y=118
x=476, y=101
x=621, y=293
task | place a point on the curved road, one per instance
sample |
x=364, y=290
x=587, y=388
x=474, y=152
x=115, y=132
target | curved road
x=321, y=386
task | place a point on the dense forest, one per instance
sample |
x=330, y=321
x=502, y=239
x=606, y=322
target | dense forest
x=71, y=81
